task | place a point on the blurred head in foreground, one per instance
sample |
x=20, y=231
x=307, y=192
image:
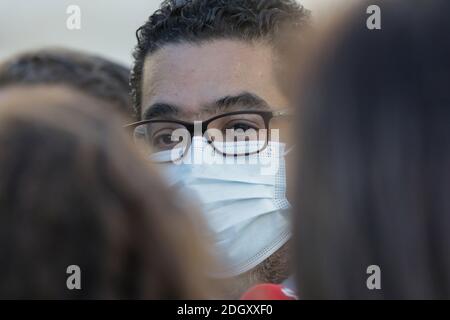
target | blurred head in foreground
x=93, y=75
x=73, y=192
x=375, y=158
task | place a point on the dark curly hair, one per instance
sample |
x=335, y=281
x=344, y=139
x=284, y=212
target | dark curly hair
x=199, y=20
x=89, y=73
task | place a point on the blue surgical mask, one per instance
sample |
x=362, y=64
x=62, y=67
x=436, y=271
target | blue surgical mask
x=243, y=200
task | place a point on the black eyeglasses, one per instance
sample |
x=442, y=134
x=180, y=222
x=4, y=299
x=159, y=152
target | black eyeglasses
x=252, y=127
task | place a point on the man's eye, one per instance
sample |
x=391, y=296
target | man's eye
x=163, y=141
x=240, y=126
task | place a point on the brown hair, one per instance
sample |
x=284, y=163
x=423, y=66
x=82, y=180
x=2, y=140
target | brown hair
x=374, y=158
x=94, y=75
x=73, y=191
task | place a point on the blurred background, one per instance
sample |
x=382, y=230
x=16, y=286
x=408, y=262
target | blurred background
x=107, y=26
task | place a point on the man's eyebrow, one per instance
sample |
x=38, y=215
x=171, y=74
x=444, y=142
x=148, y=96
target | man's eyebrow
x=245, y=100
x=160, y=110
x=242, y=101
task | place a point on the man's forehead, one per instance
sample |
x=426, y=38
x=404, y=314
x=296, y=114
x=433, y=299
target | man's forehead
x=195, y=75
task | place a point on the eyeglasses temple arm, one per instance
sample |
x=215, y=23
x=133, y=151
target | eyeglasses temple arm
x=281, y=113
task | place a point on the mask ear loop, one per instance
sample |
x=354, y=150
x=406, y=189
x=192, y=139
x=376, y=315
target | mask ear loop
x=288, y=150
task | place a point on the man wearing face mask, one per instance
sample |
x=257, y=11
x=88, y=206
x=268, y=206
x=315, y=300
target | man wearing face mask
x=204, y=82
